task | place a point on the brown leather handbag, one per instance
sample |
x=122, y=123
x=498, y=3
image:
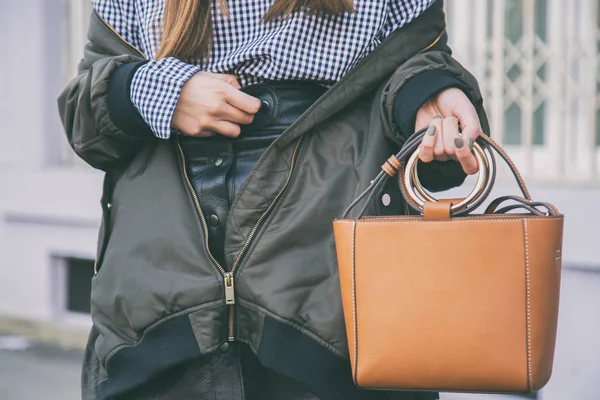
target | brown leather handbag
x=448, y=300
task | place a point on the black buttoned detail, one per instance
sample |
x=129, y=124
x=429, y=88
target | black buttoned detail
x=214, y=220
x=218, y=161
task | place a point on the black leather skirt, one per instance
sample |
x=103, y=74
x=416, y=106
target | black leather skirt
x=218, y=165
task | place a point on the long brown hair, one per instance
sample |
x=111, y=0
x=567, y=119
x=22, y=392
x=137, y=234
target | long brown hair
x=188, y=24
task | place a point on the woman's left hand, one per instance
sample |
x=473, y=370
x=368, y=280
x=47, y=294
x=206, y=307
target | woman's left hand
x=444, y=113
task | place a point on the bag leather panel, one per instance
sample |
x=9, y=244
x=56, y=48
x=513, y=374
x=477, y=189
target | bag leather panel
x=412, y=312
x=344, y=231
x=544, y=239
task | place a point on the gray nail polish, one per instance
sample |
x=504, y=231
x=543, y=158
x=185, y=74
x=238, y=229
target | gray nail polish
x=459, y=143
x=431, y=130
x=470, y=143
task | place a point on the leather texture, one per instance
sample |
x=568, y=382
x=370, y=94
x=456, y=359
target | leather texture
x=437, y=210
x=218, y=165
x=472, y=304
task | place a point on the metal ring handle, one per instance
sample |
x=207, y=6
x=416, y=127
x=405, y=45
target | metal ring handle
x=426, y=195
x=484, y=181
x=488, y=164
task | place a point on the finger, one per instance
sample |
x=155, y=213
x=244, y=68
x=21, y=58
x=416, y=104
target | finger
x=465, y=157
x=469, y=121
x=203, y=133
x=226, y=128
x=206, y=133
x=449, y=132
x=190, y=127
x=424, y=117
x=227, y=78
x=428, y=142
x=471, y=128
x=438, y=150
x=243, y=101
x=229, y=113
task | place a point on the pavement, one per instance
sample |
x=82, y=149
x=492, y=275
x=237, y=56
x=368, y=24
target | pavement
x=34, y=371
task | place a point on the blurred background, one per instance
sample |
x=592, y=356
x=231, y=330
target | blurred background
x=538, y=63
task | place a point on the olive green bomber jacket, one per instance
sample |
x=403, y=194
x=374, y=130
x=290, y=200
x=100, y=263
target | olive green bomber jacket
x=151, y=294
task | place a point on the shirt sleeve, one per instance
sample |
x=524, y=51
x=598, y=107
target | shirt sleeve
x=156, y=85
x=155, y=91
x=401, y=12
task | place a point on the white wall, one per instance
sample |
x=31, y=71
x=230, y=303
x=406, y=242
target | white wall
x=46, y=208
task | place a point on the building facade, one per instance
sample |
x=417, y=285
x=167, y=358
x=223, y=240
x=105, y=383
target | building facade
x=538, y=62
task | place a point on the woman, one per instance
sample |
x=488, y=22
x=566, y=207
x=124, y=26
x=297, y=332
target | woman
x=232, y=133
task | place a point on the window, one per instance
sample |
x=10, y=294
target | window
x=73, y=284
x=538, y=64
x=79, y=284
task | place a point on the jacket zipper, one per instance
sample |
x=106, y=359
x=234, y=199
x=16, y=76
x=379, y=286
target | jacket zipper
x=119, y=36
x=229, y=277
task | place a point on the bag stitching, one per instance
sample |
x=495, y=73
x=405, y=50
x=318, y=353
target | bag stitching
x=528, y=300
x=527, y=285
x=354, y=303
x=461, y=220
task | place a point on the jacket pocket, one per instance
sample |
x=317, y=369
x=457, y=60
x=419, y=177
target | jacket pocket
x=105, y=223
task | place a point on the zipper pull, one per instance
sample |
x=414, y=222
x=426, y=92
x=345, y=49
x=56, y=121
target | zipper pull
x=229, y=291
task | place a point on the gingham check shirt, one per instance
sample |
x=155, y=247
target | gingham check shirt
x=305, y=46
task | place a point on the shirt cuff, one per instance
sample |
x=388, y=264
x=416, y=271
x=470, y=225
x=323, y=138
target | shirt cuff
x=416, y=92
x=155, y=90
x=122, y=112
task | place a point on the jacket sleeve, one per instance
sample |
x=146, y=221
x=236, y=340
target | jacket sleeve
x=92, y=130
x=402, y=94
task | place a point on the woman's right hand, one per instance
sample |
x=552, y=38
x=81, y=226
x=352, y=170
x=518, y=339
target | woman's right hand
x=212, y=104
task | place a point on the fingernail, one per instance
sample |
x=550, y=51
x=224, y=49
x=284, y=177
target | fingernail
x=437, y=117
x=470, y=143
x=431, y=130
x=459, y=143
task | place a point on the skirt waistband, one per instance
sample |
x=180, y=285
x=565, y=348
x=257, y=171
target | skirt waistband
x=282, y=103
